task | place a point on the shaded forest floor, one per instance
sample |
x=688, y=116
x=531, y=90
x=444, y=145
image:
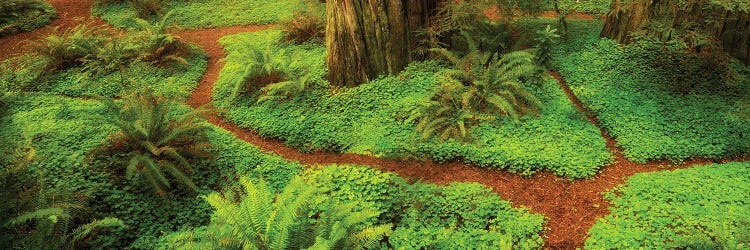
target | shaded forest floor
x=571, y=207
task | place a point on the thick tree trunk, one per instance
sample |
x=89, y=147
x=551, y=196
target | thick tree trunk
x=367, y=38
x=731, y=29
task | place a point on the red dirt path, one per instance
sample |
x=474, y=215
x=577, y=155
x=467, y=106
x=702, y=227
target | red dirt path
x=69, y=15
x=571, y=207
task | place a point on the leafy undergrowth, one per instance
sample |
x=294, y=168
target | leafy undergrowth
x=372, y=118
x=657, y=110
x=424, y=216
x=26, y=73
x=209, y=13
x=24, y=15
x=597, y=7
x=706, y=207
x=61, y=132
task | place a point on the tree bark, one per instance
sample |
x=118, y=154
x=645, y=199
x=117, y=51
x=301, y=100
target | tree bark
x=368, y=38
x=731, y=29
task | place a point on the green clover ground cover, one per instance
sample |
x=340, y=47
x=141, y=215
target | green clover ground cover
x=208, y=13
x=596, y=7
x=677, y=112
x=706, y=207
x=372, y=118
x=25, y=15
x=175, y=81
x=424, y=216
x=62, y=131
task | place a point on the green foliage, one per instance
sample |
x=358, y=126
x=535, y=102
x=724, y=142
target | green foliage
x=543, y=43
x=463, y=216
x=155, y=142
x=86, y=61
x=24, y=15
x=50, y=222
x=141, y=8
x=158, y=45
x=596, y=7
x=146, y=8
x=471, y=93
x=262, y=68
x=307, y=25
x=491, y=37
x=704, y=207
x=288, y=220
x=365, y=187
x=204, y=13
x=60, y=132
x=286, y=89
x=373, y=118
x=101, y=51
x=71, y=47
x=657, y=103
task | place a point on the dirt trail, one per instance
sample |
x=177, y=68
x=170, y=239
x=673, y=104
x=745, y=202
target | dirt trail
x=69, y=14
x=572, y=207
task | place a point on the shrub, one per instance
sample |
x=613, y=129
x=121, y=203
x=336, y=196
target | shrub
x=263, y=68
x=50, y=220
x=157, y=45
x=470, y=93
x=372, y=119
x=155, y=142
x=288, y=220
x=543, y=43
x=307, y=24
x=71, y=47
x=286, y=89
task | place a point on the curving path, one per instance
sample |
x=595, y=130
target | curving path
x=571, y=207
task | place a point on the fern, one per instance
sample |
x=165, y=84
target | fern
x=472, y=91
x=156, y=142
x=264, y=220
x=544, y=41
x=49, y=223
x=285, y=90
x=70, y=47
x=88, y=230
x=159, y=46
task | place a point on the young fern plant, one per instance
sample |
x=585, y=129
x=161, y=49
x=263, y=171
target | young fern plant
x=285, y=90
x=51, y=220
x=263, y=219
x=471, y=92
x=71, y=47
x=159, y=46
x=264, y=67
x=543, y=43
x=156, y=142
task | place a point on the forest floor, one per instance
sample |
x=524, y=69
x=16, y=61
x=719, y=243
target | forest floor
x=571, y=206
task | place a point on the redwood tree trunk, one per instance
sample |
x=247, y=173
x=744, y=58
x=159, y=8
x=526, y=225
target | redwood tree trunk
x=367, y=38
x=731, y=29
